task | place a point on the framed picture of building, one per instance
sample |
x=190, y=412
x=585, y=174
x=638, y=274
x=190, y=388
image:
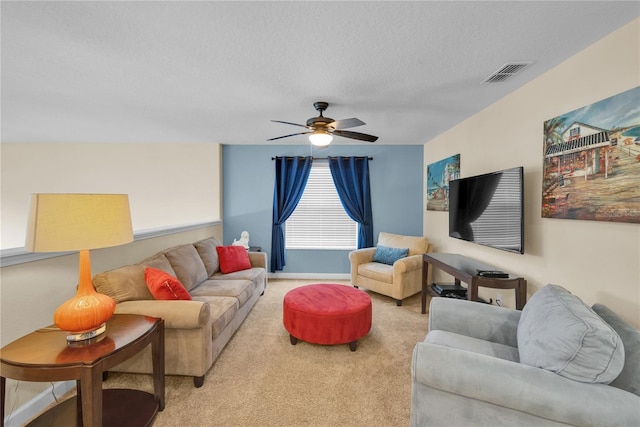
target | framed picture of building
x=438, y=176
x=591, y=164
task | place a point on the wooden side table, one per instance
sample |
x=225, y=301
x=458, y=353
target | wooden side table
x=44, y=355
x=465, y=269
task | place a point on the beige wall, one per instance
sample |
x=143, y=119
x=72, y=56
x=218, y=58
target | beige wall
x=597, y=261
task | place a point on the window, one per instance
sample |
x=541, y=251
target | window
x=320, y=221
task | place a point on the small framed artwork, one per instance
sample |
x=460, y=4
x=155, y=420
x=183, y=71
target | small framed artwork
x=591, y=164
x=438, y=176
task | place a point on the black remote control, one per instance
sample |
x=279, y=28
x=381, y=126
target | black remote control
x=496, y=274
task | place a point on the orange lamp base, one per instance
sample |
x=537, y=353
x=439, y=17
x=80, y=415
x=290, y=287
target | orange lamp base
x=84, y=315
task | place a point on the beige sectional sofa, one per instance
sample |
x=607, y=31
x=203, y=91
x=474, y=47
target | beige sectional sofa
x=196, y=331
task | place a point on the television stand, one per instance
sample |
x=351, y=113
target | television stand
x=465, y=269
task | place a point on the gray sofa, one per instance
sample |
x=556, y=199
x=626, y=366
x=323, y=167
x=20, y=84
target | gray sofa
x=558, y=362
x=196, y=330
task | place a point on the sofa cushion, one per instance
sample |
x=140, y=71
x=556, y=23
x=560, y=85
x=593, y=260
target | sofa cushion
x=164, y=286
x=160, y=262
x=558, y=332
x=376, y=271
x=207, y=250
x=123, y=284
x=257, y=275
x=417, y=245
x=475, y=345
x=233, y=258
x=188, y=265
x=629, y=378
x=240, y=289
x=387, y=255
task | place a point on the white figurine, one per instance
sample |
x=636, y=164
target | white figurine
x=244, y=240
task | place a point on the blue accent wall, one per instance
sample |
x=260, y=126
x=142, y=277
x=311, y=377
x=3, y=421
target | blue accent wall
x=248, y=178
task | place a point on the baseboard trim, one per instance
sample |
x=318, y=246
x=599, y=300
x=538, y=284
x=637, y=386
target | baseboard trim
x=26, y=412
x=311, y=276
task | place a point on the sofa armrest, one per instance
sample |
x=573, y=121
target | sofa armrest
x=522, y=388
x=473, y=319
x=258, y=259
x=176, y=314
x=410, y=263
x=361, y=256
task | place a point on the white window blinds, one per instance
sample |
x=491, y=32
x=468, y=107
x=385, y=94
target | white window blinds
x=320, y=221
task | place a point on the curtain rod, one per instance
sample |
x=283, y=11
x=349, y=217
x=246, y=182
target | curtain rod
x=322, y=158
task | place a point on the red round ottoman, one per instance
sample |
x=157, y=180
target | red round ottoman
x=327, y=314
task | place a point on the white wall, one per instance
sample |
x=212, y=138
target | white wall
x=597, y=261
x=154, y=175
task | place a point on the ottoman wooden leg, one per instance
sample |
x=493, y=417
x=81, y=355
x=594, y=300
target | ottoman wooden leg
x=353, y=345
x=293, y=340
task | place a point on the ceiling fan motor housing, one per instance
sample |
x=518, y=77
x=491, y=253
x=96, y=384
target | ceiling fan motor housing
x=320, y=122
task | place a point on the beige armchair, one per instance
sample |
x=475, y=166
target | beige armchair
x=400, y=280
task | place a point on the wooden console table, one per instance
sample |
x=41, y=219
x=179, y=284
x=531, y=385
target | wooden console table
x=465, y=269
x=44, y=356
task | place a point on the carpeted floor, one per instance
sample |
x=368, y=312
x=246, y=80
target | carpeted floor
x=260, y=379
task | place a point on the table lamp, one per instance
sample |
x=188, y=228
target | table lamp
x=80, y=222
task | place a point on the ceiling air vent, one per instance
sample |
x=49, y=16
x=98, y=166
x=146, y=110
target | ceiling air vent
x=506, y=71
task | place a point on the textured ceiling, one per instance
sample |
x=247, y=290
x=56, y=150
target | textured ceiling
x=146, y=71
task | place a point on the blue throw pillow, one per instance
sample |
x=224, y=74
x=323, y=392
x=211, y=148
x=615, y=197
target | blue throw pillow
x=386, y=255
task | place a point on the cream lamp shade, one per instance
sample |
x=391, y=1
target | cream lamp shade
x=69, y=222
x=80, y=222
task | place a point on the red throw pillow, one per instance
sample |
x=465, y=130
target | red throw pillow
x=233, y=258
x=164, y=286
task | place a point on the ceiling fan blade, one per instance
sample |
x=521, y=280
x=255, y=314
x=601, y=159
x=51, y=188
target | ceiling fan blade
x=287, y=136
x=347, y=123
x=355, y=135
x=289, y=123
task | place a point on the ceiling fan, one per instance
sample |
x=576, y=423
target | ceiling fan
x=321, y=129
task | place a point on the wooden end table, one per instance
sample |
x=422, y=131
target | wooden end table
x=44, y=356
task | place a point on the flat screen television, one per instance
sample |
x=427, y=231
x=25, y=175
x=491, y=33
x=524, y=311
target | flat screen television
x=489, y=209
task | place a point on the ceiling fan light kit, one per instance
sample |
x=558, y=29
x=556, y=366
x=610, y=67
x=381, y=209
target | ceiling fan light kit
x=321, y=129
x=320, y=138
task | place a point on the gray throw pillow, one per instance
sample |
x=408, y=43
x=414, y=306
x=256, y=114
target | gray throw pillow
x=559, y=333
x=629, y=378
